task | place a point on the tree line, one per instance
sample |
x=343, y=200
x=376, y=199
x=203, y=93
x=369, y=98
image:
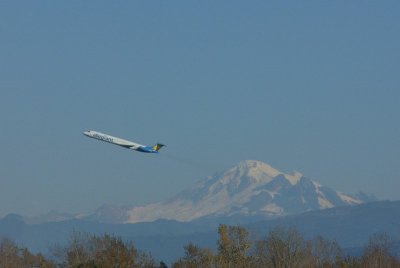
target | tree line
x=280, y=248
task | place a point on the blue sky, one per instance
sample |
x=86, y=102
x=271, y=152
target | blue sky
x=310, y=86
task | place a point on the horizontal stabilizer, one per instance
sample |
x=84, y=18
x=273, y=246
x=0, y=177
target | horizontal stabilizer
x=158, y=146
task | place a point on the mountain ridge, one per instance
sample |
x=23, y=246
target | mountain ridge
x=249, y=188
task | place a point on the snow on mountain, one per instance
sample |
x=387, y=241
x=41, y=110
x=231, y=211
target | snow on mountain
x=250, y=188
x=53, y=216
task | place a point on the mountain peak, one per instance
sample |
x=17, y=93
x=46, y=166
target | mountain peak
x=246, y=173
x=255, y=167
x=293, y=177
x=262, y=172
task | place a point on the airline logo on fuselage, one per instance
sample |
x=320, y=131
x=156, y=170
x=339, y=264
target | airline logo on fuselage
x=104, y=138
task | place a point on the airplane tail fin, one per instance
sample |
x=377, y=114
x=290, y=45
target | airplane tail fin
x=158, y=146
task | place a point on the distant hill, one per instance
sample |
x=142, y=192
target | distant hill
x=351, y=226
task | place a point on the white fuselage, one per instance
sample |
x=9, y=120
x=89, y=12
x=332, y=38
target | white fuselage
x=113, y=140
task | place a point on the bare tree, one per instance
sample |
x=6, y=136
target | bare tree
x=103, y=251
x=325, y=253
x=195, y=257
x=283, y=248
x=233, y=245
x=377, y=252
x=12, y=256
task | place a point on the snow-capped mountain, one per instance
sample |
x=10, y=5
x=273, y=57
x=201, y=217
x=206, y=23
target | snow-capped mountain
x=251, y=188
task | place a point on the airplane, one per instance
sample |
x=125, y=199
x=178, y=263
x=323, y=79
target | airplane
x=124, y=143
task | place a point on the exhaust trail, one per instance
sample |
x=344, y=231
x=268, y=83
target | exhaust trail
x=190, y=162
